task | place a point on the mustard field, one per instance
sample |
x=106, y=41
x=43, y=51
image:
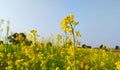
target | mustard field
x=27, y=52
x=46, y=57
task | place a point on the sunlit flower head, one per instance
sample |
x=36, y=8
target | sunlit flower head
x=33, y=32
x=78, y=34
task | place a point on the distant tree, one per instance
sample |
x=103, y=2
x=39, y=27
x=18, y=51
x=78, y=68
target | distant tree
x=12, y=38
x=18, y=38
x=1, y=42
x=101, y=46
x=86, y=46
x=89, y=46
x=116, y=47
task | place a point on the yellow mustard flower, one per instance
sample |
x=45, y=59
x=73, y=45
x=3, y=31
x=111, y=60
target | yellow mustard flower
x=9, y=55
x=33, y=32
x=25, y=64
x=1, y=55
x=75, y=23
x=71, y=50
x=68, y=29
x=9, y=62
x=102, y=64
x=81, y=65
x=63, y=24
x=9, y=68
x=58, y=37
x=78, y=34
x=117, y=65
x=57, y=68
x=68, y=68
x=86, y=67
x=71, y=18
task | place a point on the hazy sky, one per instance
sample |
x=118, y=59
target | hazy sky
x=99, y=19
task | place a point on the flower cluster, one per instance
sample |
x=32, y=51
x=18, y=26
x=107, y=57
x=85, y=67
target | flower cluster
x=68, y=25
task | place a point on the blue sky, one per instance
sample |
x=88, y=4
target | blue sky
x=99, y=19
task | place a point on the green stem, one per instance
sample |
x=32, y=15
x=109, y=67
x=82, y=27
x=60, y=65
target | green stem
x=74, y=46
x=35, y=53
x=66, y=50
x=74, y=52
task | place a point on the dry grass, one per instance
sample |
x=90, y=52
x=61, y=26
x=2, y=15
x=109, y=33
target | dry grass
x=116, y=52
